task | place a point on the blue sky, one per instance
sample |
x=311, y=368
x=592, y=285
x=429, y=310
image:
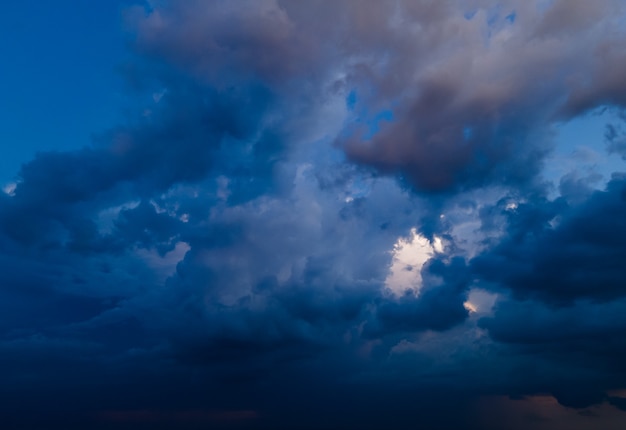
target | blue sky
x=273, y=214
x=61, y=64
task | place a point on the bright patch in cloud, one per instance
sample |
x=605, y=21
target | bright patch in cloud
x=511, y=206
x=480, y=302
x=164, y=265
x=409, y=256
x=10, y=188
x=471, y=308
x=106, y=218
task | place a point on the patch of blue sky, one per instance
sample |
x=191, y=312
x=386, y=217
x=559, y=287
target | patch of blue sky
x=363, y=117
x=374, y=123
x=581, y=147
x=351, y=100
x=511, y=17
x=469, y=15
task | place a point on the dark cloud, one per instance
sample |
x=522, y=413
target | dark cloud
x=577, y=351
x=616, y=137
x=560, y=252
x=561, y=261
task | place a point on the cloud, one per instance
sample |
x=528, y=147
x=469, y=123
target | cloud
x=553, y=252
x=616, y=138
x=231, y=247
x=472, y=100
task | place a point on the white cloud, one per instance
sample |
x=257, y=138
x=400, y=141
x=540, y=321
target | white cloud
x=409, y=256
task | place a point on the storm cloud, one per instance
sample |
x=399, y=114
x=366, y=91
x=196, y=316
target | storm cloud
x=328, y=216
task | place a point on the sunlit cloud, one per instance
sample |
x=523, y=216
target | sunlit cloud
x=409, y=255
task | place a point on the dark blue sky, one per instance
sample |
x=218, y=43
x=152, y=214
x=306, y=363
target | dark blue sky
x=278, y=214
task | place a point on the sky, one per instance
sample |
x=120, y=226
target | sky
x=277, y=214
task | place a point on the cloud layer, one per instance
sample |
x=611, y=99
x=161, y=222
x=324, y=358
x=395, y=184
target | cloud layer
x=226, y=257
